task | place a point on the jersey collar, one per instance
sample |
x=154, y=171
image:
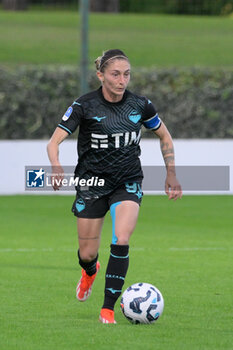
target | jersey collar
x=112, y=103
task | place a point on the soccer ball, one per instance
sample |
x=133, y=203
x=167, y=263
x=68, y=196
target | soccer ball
x=142, y=303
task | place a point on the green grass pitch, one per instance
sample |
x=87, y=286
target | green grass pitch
x=184, y=248
x=39, y=37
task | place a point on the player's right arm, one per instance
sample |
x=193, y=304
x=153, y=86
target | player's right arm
x=69, y=123
x=58, y=136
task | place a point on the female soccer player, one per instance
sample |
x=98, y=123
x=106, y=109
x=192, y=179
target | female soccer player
x=110, y=121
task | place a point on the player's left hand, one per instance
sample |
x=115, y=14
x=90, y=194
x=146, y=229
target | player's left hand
x=57, y=177
x=173, y=188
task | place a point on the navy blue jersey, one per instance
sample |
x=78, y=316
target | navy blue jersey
x=109, y=136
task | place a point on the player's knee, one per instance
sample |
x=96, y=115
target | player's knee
x=122, y=240
x=87, y=255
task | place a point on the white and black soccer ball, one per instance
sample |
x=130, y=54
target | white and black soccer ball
x=142, y=303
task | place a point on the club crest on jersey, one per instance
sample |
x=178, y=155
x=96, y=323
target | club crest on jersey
x=134, y=117
x=67, y=114
x=99, y=118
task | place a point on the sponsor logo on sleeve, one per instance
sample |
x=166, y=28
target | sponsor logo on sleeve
x=67, y=114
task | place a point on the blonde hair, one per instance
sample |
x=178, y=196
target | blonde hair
x=101, y=61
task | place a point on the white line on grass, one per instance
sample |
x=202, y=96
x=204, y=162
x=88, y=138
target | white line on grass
x=133, y=249
x=187, y=249
x=32, y=250
x=39, y=250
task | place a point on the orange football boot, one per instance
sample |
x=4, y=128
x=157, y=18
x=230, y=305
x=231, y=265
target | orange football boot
x=107, y=316
x=84, y=287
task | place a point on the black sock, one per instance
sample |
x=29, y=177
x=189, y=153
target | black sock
x=89, y=267
x=115, y=274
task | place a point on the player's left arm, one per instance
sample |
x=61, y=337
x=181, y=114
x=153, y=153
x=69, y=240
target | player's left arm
x=152, y=122
x=172, y=186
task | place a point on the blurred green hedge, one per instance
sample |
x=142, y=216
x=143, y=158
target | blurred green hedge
x=190, y=7
x=193, y=102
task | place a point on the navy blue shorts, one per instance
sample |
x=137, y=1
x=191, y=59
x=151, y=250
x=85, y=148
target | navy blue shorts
x=97, y=207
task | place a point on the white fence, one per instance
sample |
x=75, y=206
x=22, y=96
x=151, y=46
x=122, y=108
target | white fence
x=15, y=155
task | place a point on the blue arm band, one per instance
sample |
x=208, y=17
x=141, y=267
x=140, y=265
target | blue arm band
x=153, y=123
